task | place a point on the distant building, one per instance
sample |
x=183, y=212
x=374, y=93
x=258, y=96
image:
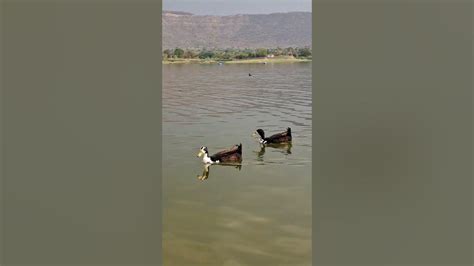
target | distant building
x=270, y=56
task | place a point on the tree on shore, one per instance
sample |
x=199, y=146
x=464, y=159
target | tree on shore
x=190, y=54
x=289, y=51
x=261, y=52
x=178, y=52
x=304, y=52
x=167, y=53
x=206, y=54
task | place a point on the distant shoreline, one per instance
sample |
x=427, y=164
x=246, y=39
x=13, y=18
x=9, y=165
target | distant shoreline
x=237, y=61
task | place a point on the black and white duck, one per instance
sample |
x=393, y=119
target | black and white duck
x=231, y=155
x=282, y=137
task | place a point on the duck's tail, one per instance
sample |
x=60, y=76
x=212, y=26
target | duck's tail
x=288, y=131
x=239, y=148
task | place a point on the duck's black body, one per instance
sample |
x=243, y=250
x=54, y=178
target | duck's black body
x=233, y=154
x=282, y=137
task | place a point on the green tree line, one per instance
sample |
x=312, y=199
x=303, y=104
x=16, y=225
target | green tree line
x=230, y=54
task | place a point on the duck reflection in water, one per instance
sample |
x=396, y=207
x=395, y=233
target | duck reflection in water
x=284, y=148
x=205, y=171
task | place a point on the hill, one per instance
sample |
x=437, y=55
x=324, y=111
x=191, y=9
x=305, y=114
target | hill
x=186, y=30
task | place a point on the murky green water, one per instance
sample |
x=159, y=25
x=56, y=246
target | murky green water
x=256, y=214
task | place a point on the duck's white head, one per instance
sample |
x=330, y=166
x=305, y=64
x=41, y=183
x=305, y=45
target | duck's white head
x=205, y=156
x=202, y=151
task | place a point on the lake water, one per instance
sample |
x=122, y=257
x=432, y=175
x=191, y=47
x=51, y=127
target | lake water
x=255, y=214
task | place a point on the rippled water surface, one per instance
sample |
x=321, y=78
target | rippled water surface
x=255, y=214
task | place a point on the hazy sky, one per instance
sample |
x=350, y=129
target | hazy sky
x=232, y=7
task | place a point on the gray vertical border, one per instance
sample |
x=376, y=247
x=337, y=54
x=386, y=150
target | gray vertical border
x=2, y=165
x=45, y=29
x=392, y=147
